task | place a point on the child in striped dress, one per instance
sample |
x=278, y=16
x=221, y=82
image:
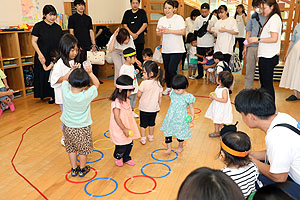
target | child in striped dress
x=234, y=153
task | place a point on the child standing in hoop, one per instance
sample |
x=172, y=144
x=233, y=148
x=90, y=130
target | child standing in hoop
x=123, y=128
x=175, y=124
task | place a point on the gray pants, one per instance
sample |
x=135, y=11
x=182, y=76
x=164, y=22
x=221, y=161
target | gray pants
x=132, y=98
x=252, y=59
x=118, y=59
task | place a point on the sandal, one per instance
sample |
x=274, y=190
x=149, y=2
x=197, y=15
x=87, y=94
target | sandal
x=292, y=98
x=143, y=140
x=214, y=134
x=150, y=138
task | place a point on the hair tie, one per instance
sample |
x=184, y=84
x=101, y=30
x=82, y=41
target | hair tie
x=126, y=87
x=129, y=54
x=233, y=152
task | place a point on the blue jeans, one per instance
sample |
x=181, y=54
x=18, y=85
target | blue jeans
x=292, y=188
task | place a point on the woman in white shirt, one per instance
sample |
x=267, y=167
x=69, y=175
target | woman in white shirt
x=190, y=21
x=269, y=44
x=225, y=29
x=120, y=40
x=171, y=28
x=240, y=17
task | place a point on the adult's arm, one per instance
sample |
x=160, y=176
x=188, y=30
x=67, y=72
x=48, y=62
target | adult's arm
x=6, y=93
x=37, y=49
x=71, y=31
x=111, y=45
x=272, y=39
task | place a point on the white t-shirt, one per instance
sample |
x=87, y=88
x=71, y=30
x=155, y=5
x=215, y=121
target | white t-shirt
x=192, y=51
x=172, y=43
x=283, y=147
x=269, y=50
x=225, y=41
x=189, y=25
x=130, y=71
x=208, y=39
x=122, y=46
x=241, y=26
x=59, y=70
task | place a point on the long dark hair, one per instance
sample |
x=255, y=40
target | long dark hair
x=121, y=94
x=66, y=43
x=49, y=9
x=275, y=10
x=151, y=66
x=243, y=11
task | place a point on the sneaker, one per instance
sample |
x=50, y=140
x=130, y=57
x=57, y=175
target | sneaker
x=199, y=77
x=1, y=111
x=166, y=91
x=143, y=140
x=194, y=75
x=74, y=172
x=130, y=162
x=119, y=162
x=292, y=98
x=135, y=115
x=84, y=171
x=191, y=77
x=62, y=141
x=12, y=107
x=150, y=138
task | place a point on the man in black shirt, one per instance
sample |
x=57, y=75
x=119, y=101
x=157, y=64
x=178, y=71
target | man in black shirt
x=135, y=21
x=81, y=27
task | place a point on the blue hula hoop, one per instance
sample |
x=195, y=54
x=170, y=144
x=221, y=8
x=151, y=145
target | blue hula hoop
x=153, y=163
x=105, y=134
x=104, y=195
x=163, y=160
x=102, y=155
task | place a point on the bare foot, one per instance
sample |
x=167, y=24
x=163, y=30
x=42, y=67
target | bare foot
x=179, y=150
x=168, y=151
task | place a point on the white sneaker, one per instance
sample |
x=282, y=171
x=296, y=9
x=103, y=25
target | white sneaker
x=62, y=141
x=166, y=91
x=135, y=115
x=191, y=77
x=194, y=75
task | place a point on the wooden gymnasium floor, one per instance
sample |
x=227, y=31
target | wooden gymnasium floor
x=43, y=160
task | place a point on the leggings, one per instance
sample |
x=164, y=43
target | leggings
x=171, y=62
x=169, y=140
x=123, y=151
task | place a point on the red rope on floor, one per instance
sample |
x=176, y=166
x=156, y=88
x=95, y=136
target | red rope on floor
x=12, y=160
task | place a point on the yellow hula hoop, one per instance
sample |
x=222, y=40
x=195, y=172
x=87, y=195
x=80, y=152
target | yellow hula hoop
x=104, y=139
x=196, y=117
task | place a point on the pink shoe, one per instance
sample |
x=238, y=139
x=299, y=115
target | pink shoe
x=150, y=138
x=119, y=162
x=12, y=107
x=1, y=111
x=130, y=162
x=143, y=140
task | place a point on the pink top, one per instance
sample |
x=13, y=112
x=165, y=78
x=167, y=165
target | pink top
x=151, y=90
x=116, y=134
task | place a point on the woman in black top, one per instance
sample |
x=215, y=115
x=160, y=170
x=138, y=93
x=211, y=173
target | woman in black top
x=45, y=39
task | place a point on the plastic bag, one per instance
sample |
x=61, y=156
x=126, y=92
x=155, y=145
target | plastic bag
x=157, y=57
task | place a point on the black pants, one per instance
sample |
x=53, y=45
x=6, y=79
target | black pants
x=241, y=47
x=227, y=58
x=201, y=51
x=171, y=62
x=139, y=47
x=83, y=57
x=123, y=151
x=266, y=68
x=169, y=140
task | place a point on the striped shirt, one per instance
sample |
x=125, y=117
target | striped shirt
x=245, y=177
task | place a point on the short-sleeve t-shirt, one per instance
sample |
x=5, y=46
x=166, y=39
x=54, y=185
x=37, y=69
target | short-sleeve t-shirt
x=296, y=35
x=130, y=71
x=269, y=50
x=135, y=21
x=151, y=90
x=241, y=26
x=254, y=27
x=225, y=41
x=2, y=76
x=121, y=47
x=77, y=109
x=172, y=43
x=208, y=39
x=283, y=149
x=82, y=24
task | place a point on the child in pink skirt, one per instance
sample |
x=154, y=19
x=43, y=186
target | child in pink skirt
x=123, y=128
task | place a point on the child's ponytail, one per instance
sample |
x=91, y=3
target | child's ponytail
x=151, y=66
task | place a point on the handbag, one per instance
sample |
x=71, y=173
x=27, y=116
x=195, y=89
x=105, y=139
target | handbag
x=157, y=56
x=96, y=57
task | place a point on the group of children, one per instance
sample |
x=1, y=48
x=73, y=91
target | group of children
x=70, y=82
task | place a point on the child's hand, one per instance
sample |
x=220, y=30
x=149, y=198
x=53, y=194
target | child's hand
x=137, y=71
x=213, y=97
x=126, y=132
x=75, y=65
x=139, y=63
x=9, y=92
